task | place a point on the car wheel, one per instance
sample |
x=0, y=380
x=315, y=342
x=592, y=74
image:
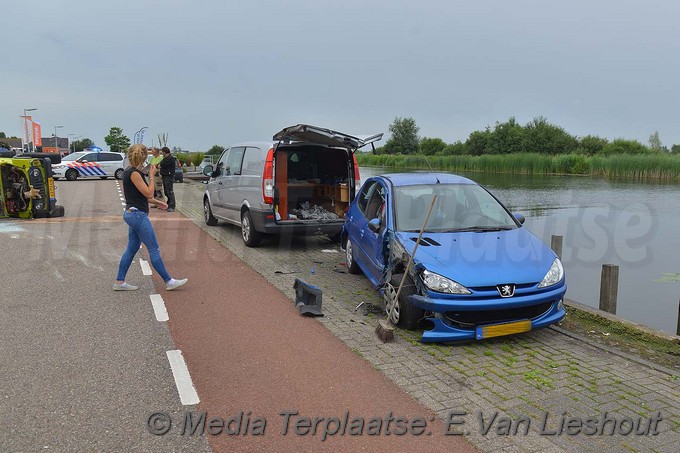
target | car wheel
x=119, y=173
x=210, y=220
x=401, y=311
x=58, y=211
x=71, y=175
x=250, y=236
x=352, y=266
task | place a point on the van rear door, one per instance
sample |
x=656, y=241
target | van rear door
x=312, y=134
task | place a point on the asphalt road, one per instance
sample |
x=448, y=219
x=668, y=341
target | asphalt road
x=84, y=367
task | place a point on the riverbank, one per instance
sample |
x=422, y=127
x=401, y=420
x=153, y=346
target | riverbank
x=664, y=167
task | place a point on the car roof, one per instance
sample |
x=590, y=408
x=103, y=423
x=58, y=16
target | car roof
x=411, y=179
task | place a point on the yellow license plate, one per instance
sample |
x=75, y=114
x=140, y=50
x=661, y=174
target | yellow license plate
x=499, y=330
x=50, y=184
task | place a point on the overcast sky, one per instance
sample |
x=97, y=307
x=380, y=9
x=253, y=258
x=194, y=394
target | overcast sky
x=212, y=72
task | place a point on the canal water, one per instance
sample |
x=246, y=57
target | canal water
x=634, y=225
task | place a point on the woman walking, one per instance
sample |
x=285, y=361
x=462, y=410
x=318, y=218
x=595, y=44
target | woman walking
x=138, y=195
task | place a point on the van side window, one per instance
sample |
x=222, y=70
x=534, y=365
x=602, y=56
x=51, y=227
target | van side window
x=234, y=161
x=219, y=168
x=253, y=162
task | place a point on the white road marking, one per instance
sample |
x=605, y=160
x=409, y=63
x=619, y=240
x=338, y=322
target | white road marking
x=159, y=307
x=185, y=387
x=146, y=269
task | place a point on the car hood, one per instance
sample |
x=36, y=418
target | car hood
x=312, y=134
x=476, y=259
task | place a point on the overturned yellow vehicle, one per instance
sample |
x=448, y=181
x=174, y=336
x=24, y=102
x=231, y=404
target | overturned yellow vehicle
x=27, y=187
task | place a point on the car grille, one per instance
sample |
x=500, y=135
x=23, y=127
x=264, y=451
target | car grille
x=471, y=319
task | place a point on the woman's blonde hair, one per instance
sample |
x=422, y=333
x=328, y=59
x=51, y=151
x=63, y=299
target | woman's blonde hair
x=137, y=154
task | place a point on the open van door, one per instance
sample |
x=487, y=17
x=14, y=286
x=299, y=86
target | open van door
x=305, y=133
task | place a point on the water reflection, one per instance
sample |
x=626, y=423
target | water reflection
x=631, y=224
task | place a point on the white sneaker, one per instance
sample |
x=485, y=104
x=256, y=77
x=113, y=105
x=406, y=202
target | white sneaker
x=176, y=284
x=124, y=287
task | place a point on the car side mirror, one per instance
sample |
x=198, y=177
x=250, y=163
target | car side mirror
x=208, y=170
x=520, y=218
x=374, y=225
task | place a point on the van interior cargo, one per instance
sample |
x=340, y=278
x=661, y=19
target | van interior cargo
x=312, y=183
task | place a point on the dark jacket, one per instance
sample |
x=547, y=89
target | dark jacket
x=168, y=166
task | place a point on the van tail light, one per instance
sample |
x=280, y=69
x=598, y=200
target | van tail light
x=268, y=178
x=357, y=178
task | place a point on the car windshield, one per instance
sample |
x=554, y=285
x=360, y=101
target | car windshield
x=71, y=157
x=459, y=207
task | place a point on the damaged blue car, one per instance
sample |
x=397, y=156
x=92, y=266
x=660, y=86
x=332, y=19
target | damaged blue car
x=477, y=272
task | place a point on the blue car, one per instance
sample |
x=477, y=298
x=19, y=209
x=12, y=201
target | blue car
x=477, y=272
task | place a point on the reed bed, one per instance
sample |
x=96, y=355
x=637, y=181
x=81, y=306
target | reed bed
x=658, y=166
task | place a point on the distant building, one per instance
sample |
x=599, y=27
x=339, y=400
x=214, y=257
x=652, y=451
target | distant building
x=60, y=145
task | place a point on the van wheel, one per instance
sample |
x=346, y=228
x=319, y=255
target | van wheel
x=210, y=220
x=71, y=175
x=250, y=236
x=119, y=173
x=352, y=266
x=404, y=313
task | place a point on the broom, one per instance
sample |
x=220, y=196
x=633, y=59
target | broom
x=385, y=329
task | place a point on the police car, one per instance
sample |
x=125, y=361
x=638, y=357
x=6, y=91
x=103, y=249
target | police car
x=87, y=164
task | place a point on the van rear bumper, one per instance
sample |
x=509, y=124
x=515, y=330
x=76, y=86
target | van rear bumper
x=265, y=222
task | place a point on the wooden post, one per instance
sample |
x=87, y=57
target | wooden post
x=609, y=288
x=556, y=245
x=677, y=329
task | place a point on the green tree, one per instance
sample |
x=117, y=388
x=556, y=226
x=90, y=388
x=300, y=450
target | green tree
x=455, y=149
x=80, y=145
x=592, y=144
x=477, y=142
x=542, y=137
x=196, y=159
x=506, y=138
x=622, y=146
x=655, y=142
x=2, y=135
x=118, y=143
x=404, y=138
x=675, y=149
x=216, y=150
x=432, y=146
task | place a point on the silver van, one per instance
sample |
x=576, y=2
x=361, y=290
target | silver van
x=300, y=183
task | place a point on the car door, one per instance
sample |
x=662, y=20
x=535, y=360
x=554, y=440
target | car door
x=230, y=195
x=216, y=184
x=371, y=242
x=358, y=231
x=88, y=165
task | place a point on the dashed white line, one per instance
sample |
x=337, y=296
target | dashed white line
x=146, y=269
x=159, y=307
x=185, y=387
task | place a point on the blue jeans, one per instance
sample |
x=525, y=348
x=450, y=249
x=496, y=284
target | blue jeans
x=140, y=230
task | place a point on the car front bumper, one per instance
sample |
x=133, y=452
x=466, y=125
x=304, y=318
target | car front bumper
x=445, y=330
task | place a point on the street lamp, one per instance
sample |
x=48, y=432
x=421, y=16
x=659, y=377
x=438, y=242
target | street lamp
x=25, y=135
x=56, y=139
x=73, y=143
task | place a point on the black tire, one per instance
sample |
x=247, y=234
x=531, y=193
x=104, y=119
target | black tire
x=103, y=177
x=405, y=314
x=56, y=179
x=119, y=174
x=352, y=266
x=210, y=220
x=71, y=175
x=250, y=237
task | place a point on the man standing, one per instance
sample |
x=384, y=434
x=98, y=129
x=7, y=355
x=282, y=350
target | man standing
x=168, y=175
x=156, y=159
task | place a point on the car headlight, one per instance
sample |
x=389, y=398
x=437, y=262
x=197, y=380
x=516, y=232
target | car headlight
x=436, y=282
x=554, y=275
